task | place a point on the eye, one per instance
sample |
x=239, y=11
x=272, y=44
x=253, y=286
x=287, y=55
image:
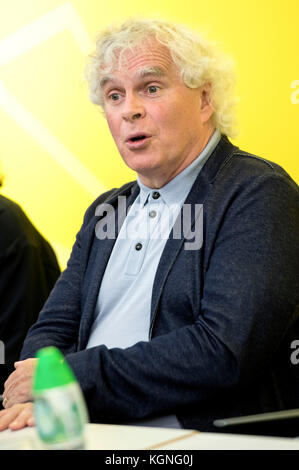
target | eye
x=152, y=89
x=114, y=96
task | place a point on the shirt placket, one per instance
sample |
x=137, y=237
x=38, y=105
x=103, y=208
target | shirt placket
x=144, y=227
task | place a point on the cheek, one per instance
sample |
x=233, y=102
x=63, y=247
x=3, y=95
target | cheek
x=170, y=127
x=164, y=119
x=114, y=127
x=180, y=120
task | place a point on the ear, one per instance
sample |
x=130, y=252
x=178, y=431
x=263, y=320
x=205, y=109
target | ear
x=206, y=105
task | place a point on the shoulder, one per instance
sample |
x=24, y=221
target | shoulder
x=18, y=232
x=14, y=216
x=249, y=188
x=13, y=221
x=243, y=170
x=248, y=165
x=9, y=208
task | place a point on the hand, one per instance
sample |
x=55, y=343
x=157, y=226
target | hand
x=18, y=386
x=17, y=417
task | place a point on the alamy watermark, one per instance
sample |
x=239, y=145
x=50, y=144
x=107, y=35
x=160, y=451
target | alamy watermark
x=295, y=354
x=295, y=94
x=2, y=352
x=143, y=222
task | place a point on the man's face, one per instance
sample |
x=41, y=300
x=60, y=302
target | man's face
x=159, y=124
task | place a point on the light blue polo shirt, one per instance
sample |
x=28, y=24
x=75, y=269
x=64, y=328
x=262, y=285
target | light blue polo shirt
x=122, y=315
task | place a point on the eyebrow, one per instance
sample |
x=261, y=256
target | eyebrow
x=155, y=71
x=144, y=72
x=106, y=79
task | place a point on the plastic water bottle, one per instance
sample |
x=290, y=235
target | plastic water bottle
x=59, y=407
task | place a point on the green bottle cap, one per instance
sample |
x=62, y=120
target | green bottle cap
x=52, y=370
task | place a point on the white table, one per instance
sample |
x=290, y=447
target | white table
x=116, y=437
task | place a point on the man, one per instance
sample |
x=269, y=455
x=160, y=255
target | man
x=181, y=329
x=28, y=272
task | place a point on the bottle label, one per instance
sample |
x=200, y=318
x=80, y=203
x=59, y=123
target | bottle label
x=60, y=416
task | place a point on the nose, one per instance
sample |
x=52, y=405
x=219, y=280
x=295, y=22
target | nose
x=133, y=109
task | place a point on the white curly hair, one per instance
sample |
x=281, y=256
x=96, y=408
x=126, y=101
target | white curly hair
x=198, y=60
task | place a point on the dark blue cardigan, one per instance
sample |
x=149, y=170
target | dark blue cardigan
x=222, y=319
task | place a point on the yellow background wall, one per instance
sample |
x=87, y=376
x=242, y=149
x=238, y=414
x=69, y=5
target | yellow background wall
x=55, y=147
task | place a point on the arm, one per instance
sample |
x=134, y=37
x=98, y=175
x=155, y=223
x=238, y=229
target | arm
x=58, y=325
x=59, y=321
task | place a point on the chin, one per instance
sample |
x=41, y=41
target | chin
x=140, y=165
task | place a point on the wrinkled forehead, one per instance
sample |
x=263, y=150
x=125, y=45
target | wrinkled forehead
x=149, y=54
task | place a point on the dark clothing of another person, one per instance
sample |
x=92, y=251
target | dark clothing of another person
x=28, y=271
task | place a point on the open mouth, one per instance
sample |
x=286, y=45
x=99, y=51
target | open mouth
x=138, y=138
x=138, y=141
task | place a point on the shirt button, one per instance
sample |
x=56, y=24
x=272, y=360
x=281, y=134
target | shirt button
x=138, y=246
x=152, y=214
x=156, y=195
